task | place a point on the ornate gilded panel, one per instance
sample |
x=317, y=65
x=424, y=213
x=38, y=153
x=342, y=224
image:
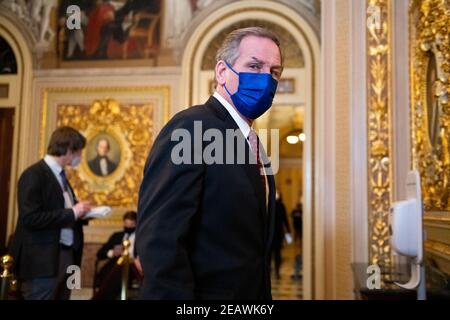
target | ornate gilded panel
x=379, y=129
x=430, y=87
x=430, y=129
x=119, y=124
x=123, y=133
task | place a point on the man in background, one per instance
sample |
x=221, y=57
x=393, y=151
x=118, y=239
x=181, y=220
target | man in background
x=49, y=233
x=297, y=218
x=297, y=221
x=282, y=231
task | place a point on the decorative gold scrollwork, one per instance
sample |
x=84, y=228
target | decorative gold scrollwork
x=379, y=137
x=131, y=127
x=430, y=88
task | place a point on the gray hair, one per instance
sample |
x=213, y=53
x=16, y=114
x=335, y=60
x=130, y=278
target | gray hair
x=229, y=51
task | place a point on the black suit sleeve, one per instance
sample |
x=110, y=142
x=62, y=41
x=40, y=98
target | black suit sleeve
x=109, y=245
x=31, y=204
x=168, y=201
x=81, y=222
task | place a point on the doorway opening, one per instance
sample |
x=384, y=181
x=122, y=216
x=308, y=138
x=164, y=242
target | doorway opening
x=8, y=83
x=287, y=246
x=6, y=151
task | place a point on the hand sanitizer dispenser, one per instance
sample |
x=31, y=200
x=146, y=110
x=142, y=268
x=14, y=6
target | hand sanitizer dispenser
x=406, y=228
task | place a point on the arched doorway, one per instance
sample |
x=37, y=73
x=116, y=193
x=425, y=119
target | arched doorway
x=196, y=86
x=8, y=81
x=15, y=107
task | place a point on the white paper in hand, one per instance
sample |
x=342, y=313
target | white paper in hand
x=99, y=212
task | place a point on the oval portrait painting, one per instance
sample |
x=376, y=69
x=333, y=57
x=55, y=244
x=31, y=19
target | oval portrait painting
x=103, y=154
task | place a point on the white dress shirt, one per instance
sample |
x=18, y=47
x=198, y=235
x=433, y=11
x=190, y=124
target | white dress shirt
x=66, y=237
x=104, y=166
x=242, y=124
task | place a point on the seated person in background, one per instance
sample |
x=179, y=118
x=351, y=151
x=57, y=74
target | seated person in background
x=109, y=278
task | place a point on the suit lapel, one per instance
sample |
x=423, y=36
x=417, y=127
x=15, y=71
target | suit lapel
x=54, y=182
x=251, y=170
x=254, y=176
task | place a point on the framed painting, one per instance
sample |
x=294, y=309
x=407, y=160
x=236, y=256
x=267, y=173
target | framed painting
x=110, y=30
x=119, y=125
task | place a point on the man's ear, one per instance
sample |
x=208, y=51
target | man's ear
x=221, y=69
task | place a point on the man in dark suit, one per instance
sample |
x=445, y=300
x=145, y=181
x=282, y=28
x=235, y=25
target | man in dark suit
x=108, y=279
x=49, y=232
x=281, y=229
x=101, y=165
x=205, y=227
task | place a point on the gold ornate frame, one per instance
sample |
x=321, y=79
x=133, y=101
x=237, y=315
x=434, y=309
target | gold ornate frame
x=430, y=29
x=106, y=183
x=131, y=115
x=95, y=63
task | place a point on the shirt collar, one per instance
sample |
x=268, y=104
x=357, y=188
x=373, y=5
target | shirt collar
x=53, y=164
x=242, y=124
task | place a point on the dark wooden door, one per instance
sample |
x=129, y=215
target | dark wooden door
x=6, y=146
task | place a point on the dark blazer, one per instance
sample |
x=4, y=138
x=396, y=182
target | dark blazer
x=204, y=231
x=115, y=239
x=94, y=165
x=281, y=225
x=35, y=246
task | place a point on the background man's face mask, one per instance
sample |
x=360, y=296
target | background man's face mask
x=75, y=161
x=255, y=93
x=129, y=229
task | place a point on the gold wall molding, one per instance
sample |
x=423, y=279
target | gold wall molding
x=379, y=134
x=438, y=248
x=430, y=88
x=442, y=218
x=161, y=92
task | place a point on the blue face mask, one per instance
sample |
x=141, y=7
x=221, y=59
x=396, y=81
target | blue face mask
x=255, y=93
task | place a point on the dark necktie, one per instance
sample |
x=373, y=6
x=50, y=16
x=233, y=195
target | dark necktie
x=254, y=145
x=65, y=183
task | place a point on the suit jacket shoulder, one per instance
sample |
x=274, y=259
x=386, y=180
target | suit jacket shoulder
x=35, y=171
x=114, y=239
x=210, y=112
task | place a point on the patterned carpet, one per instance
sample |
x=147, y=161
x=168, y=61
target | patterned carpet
x=287, y=287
